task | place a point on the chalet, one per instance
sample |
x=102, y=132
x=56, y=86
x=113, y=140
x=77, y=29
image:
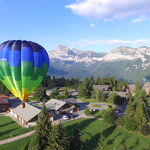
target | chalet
x=58, y=107
x=4, y=105
x=101, y=87
x=146, y=87
x=50, y=90
x=120, y=93
x=26, y=114
x=5, y=97
x=71, y=100
x=73, y=93
x=131, y=88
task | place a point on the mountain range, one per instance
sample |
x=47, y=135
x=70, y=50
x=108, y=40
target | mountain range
x=123, y=63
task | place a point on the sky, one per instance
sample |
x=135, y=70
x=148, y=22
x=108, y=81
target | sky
x=97, y=25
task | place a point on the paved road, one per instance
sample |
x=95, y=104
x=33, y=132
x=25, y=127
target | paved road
x=17, y=137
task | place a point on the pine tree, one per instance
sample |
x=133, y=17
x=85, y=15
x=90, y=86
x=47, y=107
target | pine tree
x=82, y=90
x=101, y=142
x=35, y=143
x=142, y=97
x=137, y=88
x=43, y=128
x=102, y=96
x=40, y=94
x=130, y=96
x=58, y=139
x=131, y=124
x=109, y=117
x=141, y=115
x=130, y=109
x=117, y=142
x=75, y=142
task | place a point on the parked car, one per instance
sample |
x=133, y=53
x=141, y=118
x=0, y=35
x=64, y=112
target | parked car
x=65, y=117
x=75, y=115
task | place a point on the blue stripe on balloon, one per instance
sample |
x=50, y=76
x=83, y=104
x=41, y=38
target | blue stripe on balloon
x=45, y=57
x=37, y=59
x=4, y=54
x=14, y=58
x=27, y=54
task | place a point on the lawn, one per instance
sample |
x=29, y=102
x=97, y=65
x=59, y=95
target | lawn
x=35, y=104
x=93, y=100
x=9, y=128
x=96, y=106
x=98, y=114
x=91, y=130
x=65, y=88
x=16, y=145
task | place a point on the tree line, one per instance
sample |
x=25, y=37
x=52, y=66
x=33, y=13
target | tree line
x=84, y=87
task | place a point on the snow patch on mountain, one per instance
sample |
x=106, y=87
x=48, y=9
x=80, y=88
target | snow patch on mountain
x=65, y=53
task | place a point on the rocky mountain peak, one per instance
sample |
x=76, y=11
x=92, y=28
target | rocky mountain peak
x=122, y=62
x=121, y=53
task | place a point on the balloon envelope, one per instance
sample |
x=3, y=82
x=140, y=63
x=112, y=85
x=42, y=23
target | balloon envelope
x=23, y=64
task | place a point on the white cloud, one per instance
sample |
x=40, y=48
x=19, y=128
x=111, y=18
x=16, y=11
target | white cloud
x=140, y=19
x=92, y=25
x=139, y=42
x=111, y=9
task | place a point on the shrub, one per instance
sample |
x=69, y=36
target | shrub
x=115, y=99
x=109, y=106
x=102, y=112
x=96, y=106
x=87, y=112
x=145, y=130
x=108, y=117
x=96, y=113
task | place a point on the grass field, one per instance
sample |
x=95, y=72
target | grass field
x=93, y=100
x=9, y=128
x=16, y=145
x=65, y=88
x=91, y=130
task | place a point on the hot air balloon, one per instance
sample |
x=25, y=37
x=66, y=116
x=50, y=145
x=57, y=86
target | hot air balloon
x=23, y=65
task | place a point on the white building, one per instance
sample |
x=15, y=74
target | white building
x=26, y=114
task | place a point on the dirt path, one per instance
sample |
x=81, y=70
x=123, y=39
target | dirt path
x=17, y=137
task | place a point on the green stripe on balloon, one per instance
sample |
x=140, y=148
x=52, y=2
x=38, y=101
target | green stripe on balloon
x=26, y=68
x=5, y=69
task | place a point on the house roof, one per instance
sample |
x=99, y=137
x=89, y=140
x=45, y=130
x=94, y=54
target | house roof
x=14, y=102
x=54, y=104
x=131, y=87
x=101, y=87
x=71, y=100
x=146, y=85
x=3, y=101
x=26, y=113
x=3, y=96
x=120, y=93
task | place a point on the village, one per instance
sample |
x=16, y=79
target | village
x=63, y=110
